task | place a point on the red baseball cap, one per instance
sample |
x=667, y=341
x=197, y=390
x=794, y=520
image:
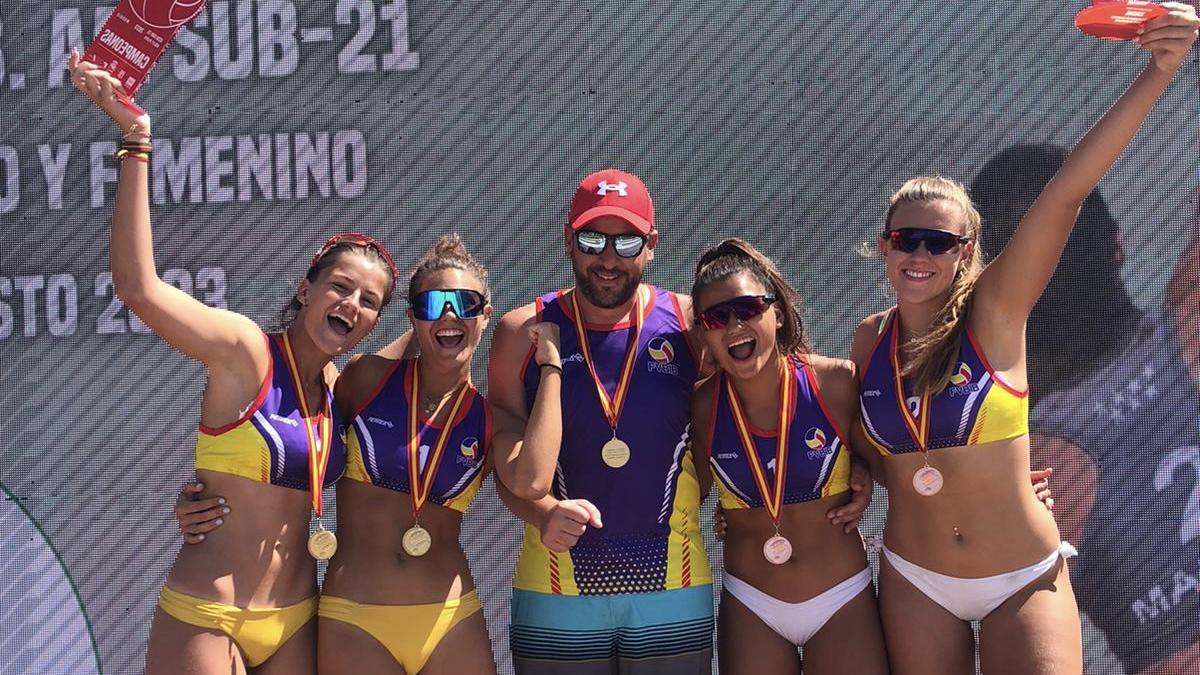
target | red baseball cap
x=612, y=192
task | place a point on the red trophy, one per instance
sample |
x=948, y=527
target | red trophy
x=1117, y=19
x=134, y=38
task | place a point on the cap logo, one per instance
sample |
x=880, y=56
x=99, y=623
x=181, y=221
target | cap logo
x=606, y=187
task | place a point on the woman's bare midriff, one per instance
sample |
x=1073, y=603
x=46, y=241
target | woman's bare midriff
x=986, y=519
x=822, y=554
x=371, y=566
x=259, y=556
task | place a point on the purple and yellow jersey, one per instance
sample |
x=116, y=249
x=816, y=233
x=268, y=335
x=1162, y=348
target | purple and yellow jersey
x=651, y=536
x=377, y=442
x=268, y=443
x=977, y=406
x=818, y=463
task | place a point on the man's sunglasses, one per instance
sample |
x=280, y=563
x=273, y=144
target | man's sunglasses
x=937, y=242
x=592, y=242
x=745, y=307
x=433, y=305
x=356, y=239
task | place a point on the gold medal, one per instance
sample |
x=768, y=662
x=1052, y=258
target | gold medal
x=615, y=453
x=322, y=544
x=417, y=541
x=927, y=481
x=777, y=550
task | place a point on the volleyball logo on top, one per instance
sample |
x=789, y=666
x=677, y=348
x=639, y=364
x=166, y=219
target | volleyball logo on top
x=166, y=14
x=962, y=381
x=662, y=357
x=817, y=442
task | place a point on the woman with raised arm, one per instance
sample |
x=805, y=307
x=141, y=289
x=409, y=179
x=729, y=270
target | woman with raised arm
x=772, y=423
x=944, y=402
x=267, y=439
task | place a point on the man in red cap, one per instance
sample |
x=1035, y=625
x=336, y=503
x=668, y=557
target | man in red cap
x=613, y=575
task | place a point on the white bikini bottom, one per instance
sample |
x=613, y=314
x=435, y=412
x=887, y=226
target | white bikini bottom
x=973, y=599
x=797, y=622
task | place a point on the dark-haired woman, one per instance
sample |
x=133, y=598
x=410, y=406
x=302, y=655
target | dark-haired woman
x=945, y=404
x=773, y=424
x=267, y=430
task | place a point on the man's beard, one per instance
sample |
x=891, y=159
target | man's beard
x=606, y=298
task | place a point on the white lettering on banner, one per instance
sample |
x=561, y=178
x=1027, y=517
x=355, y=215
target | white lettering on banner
x=220, y=169
x=54, y=168
x=28, y=286
x=236, y=40
x=101, y=172
x=62, y=305
x=50, y=302
x=6, y=311
x=10, y=179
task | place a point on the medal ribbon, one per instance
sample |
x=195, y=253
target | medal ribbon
x=772, y=494
x=919, y=430
x=318, y=449
x=422, y=483
x=612, y=406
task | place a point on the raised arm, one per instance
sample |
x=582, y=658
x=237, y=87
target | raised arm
x=1012, y=284
x=525, y=445
x=214, y=336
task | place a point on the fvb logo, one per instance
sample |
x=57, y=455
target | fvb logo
x=166, y=13
x=960, y=381
x=468, y=451
x=816, y=441
x=662, y=357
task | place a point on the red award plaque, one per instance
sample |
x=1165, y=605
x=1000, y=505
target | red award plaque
x=134, y=38
x=1117, y=19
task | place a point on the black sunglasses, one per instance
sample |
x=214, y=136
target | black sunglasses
x=744, y=307
x=591, y=242
x=937, y=242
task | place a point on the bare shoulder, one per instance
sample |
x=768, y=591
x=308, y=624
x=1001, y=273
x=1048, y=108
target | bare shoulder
x=865, y=336
x=360, y=378
x=832, y=372
x=516, y=319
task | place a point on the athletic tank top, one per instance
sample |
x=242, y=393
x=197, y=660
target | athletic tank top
x=977, y=406
x=1137, y=576
x=377, y=442
x=269, y=443
x=651, y=537
x=818, y=463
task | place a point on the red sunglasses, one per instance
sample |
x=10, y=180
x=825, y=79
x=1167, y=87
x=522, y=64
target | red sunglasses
x=744, y=307
x=356, y=239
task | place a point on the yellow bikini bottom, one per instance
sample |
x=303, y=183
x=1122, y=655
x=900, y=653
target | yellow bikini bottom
x=410, y=632
x=257, y=632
